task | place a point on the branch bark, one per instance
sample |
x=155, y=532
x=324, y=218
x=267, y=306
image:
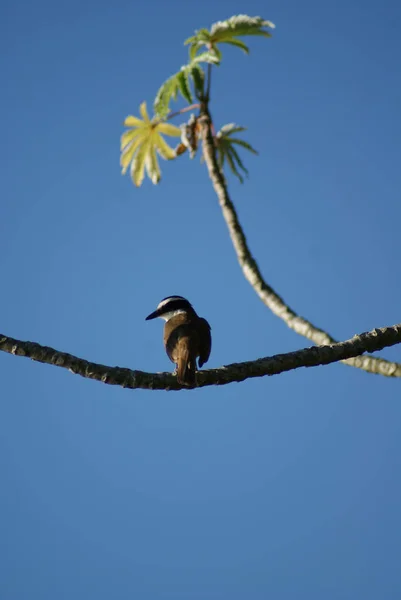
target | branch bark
x=308, y=357
x=252, y=272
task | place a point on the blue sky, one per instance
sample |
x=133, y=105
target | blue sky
x=284, y=487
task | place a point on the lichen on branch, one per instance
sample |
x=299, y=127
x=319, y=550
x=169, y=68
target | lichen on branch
x=273, y=365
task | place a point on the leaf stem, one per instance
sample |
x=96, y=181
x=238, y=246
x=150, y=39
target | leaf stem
x=183, y=110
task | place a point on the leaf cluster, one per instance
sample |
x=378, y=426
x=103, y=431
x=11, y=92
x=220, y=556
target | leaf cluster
x=181, y=83
x=226, y=151
x=141, y=144
x=228, y=32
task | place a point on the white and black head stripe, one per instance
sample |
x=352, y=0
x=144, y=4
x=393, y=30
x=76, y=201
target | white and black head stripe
x=172, y=300
x=173, y=303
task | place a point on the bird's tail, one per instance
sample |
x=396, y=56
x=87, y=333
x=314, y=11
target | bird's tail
x=186, y=365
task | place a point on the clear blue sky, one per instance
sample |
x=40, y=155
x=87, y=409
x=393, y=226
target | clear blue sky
x=285, y=487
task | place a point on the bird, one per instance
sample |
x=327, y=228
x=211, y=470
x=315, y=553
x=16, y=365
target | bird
x=186, y=337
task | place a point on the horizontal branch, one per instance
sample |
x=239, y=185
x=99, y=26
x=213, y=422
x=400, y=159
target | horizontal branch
x=308, y=357
x=253, y=275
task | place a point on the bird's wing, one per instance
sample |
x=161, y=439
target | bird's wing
x=205, y=341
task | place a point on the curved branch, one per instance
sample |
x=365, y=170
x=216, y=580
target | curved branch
x=309, y=357
x=252, y=272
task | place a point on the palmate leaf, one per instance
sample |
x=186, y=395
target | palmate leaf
x=226, y=151
x=180, y=82
x=167, y=91
x=227, y=32
x=240, y=25
x=141, y=144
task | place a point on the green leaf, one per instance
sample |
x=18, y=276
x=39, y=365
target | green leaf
x=198, y=77
x=208, y=57
x=179, y=82
x=238, y=160
x=191, y=40
x=230, y=128
x=239, y=44
x=217, y=53
x=200, y=35
x=201, y=38
x=240, y=25
x=233, y=167
x=220, y=158
x=225, y=147
x=227, y=32
x=194, y=49
x=244, y=144
x=166, y=91
x=183, y=83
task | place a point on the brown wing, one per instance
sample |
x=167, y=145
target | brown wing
x=205, y=345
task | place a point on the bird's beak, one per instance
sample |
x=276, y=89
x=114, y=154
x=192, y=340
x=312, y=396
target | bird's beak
x=152, y=315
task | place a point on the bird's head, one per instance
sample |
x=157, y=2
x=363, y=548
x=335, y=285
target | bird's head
x=170, y=307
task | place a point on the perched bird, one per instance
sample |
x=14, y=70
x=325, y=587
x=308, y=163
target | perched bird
x=186, y=337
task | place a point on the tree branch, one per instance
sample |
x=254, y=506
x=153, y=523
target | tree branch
x=252, y=272
x=309, y=357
